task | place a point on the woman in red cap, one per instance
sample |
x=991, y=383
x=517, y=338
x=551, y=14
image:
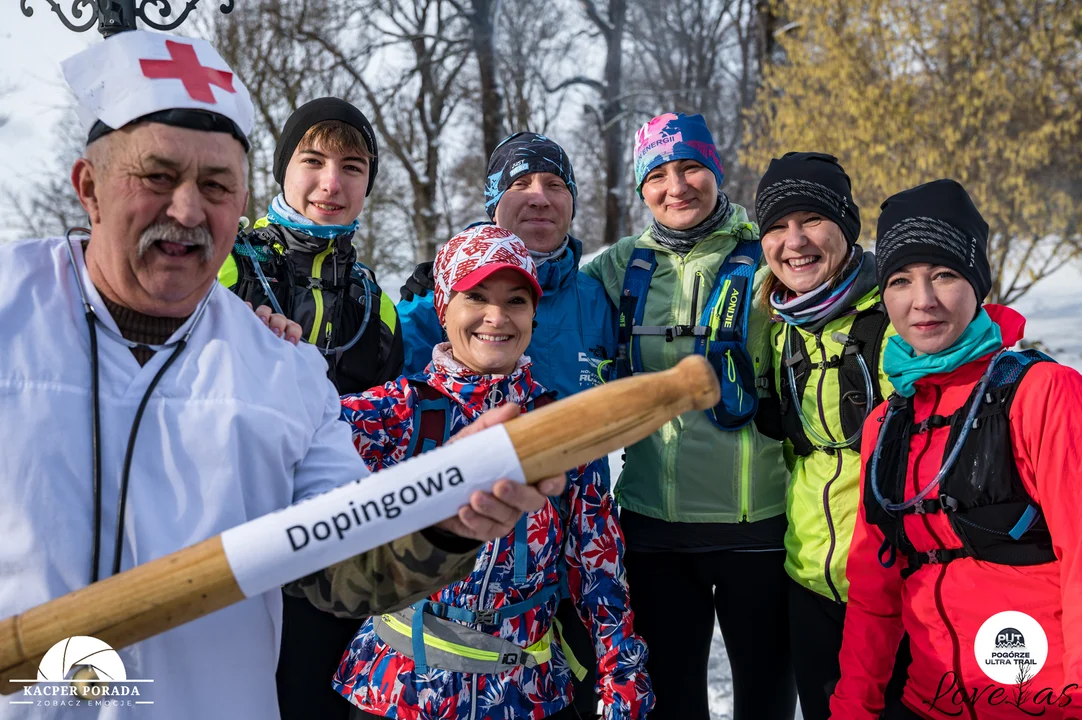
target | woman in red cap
x=968, y=536
x=490, y=647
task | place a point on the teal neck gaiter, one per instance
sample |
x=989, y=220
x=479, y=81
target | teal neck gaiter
x=905, y=367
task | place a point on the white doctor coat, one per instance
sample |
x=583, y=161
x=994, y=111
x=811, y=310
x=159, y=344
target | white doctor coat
x=242, y=424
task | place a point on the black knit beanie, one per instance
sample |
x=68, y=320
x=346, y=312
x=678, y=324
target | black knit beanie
x=811, y=182
x=934, y=223
x=313, y=113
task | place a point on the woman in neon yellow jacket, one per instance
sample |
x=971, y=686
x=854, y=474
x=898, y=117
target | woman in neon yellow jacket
x=703, y=499
x=827, y=338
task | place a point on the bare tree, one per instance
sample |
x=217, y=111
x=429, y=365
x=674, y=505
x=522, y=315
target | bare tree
x=406, y=58
x=612, y=124
x=535, y=49
x=386, y=211
x=480, y=16
x=48, y=206
x=280, y=75
x=701, y=56
x=609, y=25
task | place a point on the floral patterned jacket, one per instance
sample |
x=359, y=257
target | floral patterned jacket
x=379, y=680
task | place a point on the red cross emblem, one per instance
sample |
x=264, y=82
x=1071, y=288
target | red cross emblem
x=185, y=67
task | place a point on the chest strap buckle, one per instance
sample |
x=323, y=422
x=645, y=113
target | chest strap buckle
x=487, y=617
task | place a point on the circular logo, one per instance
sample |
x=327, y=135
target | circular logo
x=1011, y=647
x=85, y=661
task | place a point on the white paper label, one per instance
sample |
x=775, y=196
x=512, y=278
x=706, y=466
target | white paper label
x=299, y=540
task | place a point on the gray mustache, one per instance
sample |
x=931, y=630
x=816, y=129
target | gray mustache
x=172, y=232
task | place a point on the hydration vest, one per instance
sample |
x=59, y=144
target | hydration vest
x=865, y=339
x=983, y=495
x=425, y=631
x=721, y=334
x=346, y=316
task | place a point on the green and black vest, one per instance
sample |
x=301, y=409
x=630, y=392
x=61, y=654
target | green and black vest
x=320, y=285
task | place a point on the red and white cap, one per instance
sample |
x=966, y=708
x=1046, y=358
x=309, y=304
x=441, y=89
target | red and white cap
x=138, y=73
x=474, y=254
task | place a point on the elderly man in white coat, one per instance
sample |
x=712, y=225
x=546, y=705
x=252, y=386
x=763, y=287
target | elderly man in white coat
x=142, y=411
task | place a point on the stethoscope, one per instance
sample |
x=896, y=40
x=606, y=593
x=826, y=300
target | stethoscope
x=92, y=322
x=952, y=456
x=820, y=441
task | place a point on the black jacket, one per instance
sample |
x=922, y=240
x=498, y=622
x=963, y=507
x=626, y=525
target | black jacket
x=319, y=284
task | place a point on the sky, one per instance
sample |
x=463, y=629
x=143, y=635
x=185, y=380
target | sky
x=36, y=99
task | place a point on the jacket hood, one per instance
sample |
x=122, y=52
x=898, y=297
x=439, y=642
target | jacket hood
x=1012, y=324
x=556, y=274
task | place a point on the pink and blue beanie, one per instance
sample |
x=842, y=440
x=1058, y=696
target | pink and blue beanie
x=675, y=136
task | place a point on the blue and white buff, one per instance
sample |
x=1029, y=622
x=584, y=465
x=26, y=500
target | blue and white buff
x=280, y=213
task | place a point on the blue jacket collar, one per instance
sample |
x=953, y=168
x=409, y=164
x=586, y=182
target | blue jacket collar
x=556, y=274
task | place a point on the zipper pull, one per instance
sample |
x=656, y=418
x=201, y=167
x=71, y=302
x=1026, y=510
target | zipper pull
x=695, y=300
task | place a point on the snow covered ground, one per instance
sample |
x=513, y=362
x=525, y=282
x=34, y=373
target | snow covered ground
x=1053, y=311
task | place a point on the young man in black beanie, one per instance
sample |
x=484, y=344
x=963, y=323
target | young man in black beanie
x=300, y=260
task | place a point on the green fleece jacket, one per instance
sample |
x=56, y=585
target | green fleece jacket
x=689, y=470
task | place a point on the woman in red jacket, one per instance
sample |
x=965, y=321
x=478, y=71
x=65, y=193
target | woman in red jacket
x=968, y=536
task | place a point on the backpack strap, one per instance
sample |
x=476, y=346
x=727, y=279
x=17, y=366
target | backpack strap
x=794, y=357
x=434, y=419
x=258, y=258
x=858, y=371
x=729, y=305
x=725, y=319
x=637, y=277
x=721, y=335
x=866, y=339
x=522, y=551
x=433, y=430
x=991, y=532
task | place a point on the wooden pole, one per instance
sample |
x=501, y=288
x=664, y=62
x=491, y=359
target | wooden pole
x=197, y=580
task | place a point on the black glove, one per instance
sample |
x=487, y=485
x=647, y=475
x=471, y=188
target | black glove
x=420, y=283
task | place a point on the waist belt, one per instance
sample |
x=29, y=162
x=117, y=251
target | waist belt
x=459, y=648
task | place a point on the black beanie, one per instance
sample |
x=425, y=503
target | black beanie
x=811, y=182
x=934, y=223
x=521, y=154
x=313, y=113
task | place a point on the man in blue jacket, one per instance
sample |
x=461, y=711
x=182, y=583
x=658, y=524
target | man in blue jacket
x=531, y=191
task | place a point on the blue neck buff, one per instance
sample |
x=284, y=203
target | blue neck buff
x=904, y=367
x=280, y=213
